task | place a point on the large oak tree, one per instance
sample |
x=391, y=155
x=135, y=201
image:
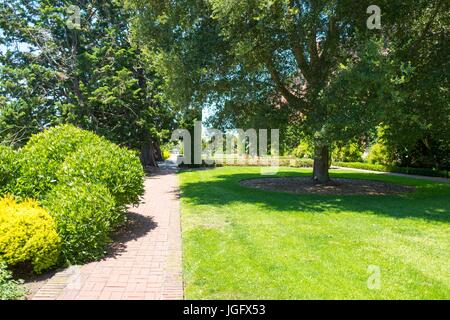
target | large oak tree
x=314, y=60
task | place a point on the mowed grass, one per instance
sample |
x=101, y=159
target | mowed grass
x=243, y=243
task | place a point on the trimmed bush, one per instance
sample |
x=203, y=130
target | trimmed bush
x=165, y=150
x=85, y=215
x=119, y=169
x=9, y=288
x=85, y=182
x=8, y=168
x=44, y=154
x=27, y=234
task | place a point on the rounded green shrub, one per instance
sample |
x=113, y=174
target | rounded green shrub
x=27, y=234
x=85, y=215
x=43, y=155
x=117, y=168
x=8, y=168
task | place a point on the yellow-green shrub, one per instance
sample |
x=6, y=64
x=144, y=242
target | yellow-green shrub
x=27, y=234
x=378, y=154
x=165, y=154
x=350, y=152
x=304, y=150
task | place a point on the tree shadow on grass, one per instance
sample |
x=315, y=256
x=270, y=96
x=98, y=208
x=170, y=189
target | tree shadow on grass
x=429, y=202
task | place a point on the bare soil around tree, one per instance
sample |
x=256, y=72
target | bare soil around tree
x=336, y=186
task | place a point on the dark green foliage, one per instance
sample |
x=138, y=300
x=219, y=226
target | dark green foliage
x=85, y=215
x=93, y=77
x=418, y=128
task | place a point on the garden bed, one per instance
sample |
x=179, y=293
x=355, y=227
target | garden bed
x=337, y=186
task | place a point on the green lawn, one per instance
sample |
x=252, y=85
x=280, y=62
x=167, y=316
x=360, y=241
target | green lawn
x=242, y=243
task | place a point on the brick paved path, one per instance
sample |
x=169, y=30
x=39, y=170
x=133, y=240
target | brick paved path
x=144, y=263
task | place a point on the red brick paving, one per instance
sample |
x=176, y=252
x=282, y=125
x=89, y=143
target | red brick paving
x=147, y=266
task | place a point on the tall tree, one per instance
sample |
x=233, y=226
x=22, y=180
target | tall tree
x=316, y=60
x=417, y=130
x=185, y=42
x=90, y=74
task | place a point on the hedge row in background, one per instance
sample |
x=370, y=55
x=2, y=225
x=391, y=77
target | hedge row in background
x=283, y=161
x=84, y=181
x=383, y=168
x=288, y=161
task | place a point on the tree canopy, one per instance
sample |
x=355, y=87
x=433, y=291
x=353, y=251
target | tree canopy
x=90, y=74
x=311, y=68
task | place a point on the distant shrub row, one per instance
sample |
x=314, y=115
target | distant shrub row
x=287, y=161
x=283, y=161
x=83, y=183
x=384, y=168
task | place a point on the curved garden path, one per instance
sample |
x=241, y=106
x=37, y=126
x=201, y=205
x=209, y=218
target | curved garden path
x=145, y=261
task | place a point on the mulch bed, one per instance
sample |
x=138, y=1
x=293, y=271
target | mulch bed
x=337, y=186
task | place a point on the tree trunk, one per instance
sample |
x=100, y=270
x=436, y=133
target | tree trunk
x=148, y=158
x=157, y=151
x=320, y=170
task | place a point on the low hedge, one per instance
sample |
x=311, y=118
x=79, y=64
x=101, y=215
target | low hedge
x=383, y=168
x=85, y=215
x=27, y=234
x=283, y=161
